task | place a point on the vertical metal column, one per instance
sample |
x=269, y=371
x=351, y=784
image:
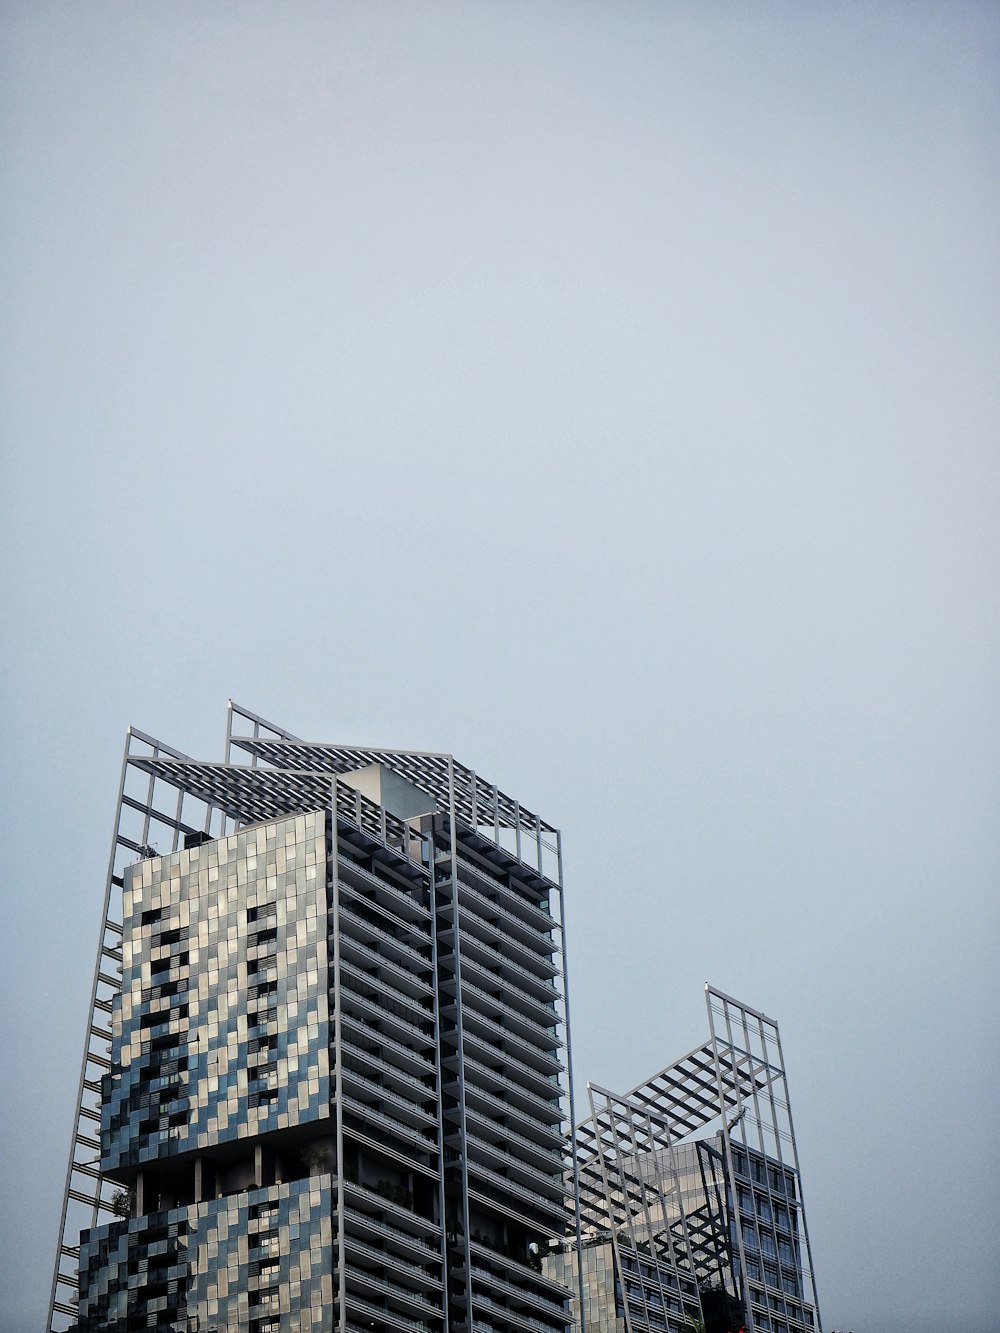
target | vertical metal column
x=574, y=1157
x=333, y=878
x=460, y=1039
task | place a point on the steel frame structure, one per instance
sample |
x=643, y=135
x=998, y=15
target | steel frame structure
x=727, y=1103
x=165, y=796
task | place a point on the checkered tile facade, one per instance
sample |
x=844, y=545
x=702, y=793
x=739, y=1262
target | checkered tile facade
x=256, y=1261
x=222, y=1028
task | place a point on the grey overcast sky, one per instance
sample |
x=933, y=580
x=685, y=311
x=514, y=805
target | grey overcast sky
x=605, y=393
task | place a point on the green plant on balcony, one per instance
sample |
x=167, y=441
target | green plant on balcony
x=395, y=1193
x=122, y=1202
x=318, y=1158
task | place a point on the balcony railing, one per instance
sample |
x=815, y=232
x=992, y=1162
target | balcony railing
x=536, y=1082
x=380, y=1314
x=391, y=1261
x=544, y=1061
x=548, y=1112
x=352, y=1074
x=553, y=1187
x=547, y=1158
x=402, y=980
x=529, y=909
x=352, y=924
x=362, y=1031
x=521, y=1293
x=373, y=991
x=355, y=1217
x=346, y=868
x=516, y=999
x=544, y=1034
x=491, y=957
x=392, y=1289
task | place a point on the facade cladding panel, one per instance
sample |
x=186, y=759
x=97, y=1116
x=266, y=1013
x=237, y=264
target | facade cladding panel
x=221, y=1031
x=231, y=1262
x=330, y=1080
x=603, y=1308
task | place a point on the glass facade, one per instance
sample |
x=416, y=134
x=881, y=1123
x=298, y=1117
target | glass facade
x=765, y=1221
x=603, y=1304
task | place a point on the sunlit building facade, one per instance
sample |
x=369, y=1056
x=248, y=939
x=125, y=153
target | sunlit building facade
x=325, y=1083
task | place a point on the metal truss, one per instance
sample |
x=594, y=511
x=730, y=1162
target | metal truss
x=660, y=1179
x=153, y=815
x=759, y=1144
x=640, y=1192
x=166, y=796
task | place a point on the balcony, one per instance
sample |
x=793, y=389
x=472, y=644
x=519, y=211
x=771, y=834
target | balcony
x=422, y=1248
x=492, y=1108
x=377, y=1317
x=384, y=942
x=383, y=971
x=516, y=999
x=547, y=1157
x=488, y=903
x=376, y=1006
x=366, y=1083
x=505, y=1191
x=387, y=894
x=542, y=1061
x=361, y=1253
x=361, y=1200
x=521, y=1273
x=515, y=898
x=540, y=1033
x=542, y=1085
x=547, y=1301
x=368, y=1037
x=391, y=1128
x=510, y=1094
x=496, y=959
x=481, y=913
x=517, y=1169
x=518, y=1319
x=413, y=1305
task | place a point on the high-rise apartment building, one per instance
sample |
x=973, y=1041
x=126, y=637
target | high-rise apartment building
x=691, y=1197
x=324, y=1086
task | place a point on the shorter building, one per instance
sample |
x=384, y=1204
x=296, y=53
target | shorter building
x=691, y=1207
